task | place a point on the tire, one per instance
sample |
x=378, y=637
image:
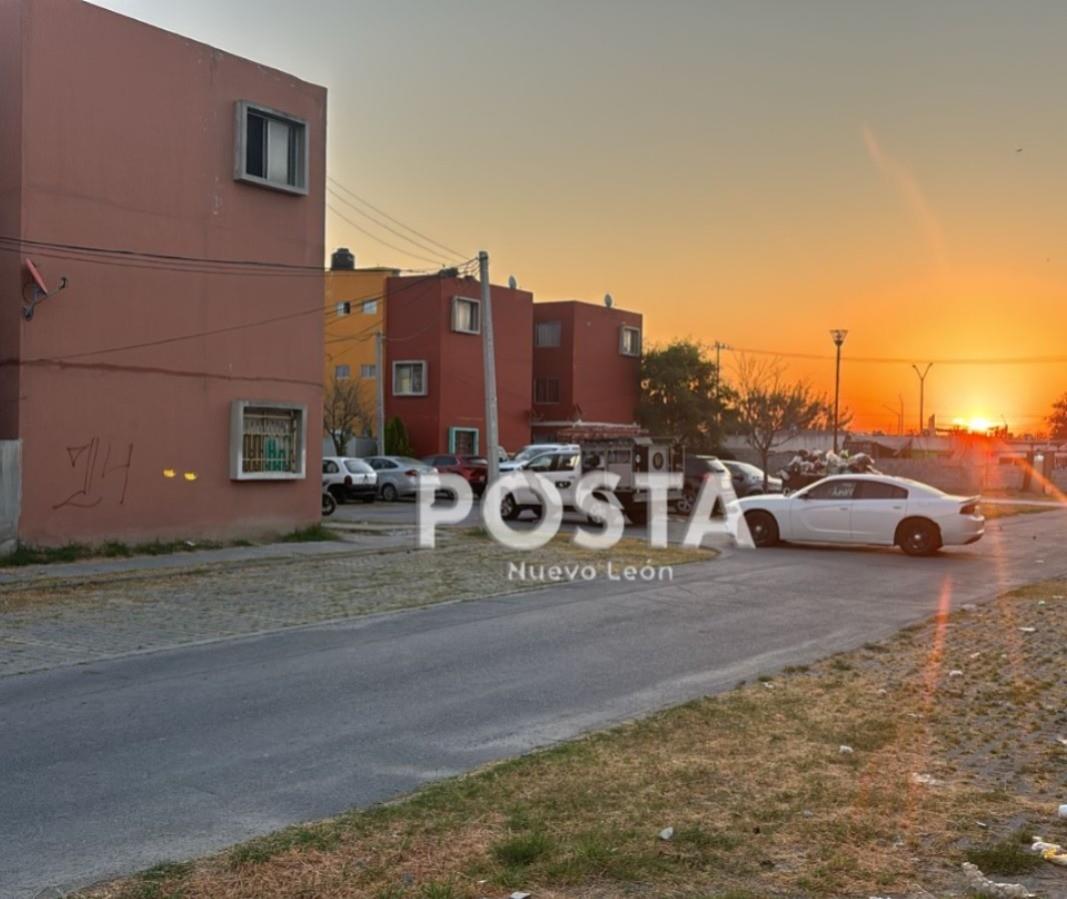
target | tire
x=389, y=493
x=685, y=505
x=918, y=537
x=509, y=511
x=763, y=527
x=329, y=504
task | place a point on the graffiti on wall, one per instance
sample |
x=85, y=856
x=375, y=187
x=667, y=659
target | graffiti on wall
x=99, y=471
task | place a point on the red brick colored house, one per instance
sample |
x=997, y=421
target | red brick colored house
x=171, y=388
x=586, y=366
x=434, y=380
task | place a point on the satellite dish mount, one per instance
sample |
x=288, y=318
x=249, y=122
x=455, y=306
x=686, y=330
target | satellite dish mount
x=37, y=291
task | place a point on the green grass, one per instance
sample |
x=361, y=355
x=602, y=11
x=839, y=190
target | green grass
x=311, y=534
x=1008, y=856
x=113, y=549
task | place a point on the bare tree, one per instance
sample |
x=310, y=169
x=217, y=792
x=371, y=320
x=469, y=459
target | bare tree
x=347, y=411
x=770, y=409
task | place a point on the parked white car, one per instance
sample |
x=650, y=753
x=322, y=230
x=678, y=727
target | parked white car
x=533, y=450
x=347, y=478
x=866, y=509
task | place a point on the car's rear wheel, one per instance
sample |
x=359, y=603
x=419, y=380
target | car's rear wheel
x=509, y=509
x=919, y=537
x=684, y=505
x=389, y=493
x=762, y=527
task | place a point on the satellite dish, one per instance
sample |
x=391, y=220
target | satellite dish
x=608, y=301
x=512, y=283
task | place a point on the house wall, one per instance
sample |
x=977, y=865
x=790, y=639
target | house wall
x=597, y=382
x=350, y=338
x=10, y=212
x=418, y=326
x=137, y=152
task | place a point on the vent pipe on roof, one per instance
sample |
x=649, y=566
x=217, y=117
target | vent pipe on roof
x=342, y=260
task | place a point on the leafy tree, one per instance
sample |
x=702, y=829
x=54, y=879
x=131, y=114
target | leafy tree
x=347, y=411
x=397, y=442
x=771, y=409
x=1058, y=419
x=682, y=395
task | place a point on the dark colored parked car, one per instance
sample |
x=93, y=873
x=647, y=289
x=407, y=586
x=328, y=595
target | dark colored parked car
x=748, y=479
x=698, y=469
x=473, y=469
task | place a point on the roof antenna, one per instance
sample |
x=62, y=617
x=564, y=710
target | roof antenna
x=39, y=291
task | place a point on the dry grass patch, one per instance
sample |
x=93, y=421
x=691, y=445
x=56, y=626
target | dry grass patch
x=940, y=768
x=1004, y=510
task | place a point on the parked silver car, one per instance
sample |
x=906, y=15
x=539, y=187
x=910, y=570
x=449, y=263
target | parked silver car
x=397, y=475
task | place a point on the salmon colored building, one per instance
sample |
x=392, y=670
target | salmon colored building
x=170, y=389
x=434, y=373
x=586, y=366
x=355, y=314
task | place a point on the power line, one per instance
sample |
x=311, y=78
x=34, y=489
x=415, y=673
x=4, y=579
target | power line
x=384, y=243
x=164, y=261
x=883, y=360
x=422, y=246
x=318, y=309
x=394, y=220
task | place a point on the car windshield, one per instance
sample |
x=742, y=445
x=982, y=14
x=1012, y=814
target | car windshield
x=357, y=466
x=529, y=453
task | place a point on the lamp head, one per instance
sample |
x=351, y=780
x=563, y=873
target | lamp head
x=839, y=336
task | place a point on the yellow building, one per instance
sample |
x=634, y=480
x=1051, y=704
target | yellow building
x=355, y=313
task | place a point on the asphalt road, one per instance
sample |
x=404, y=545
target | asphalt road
x=111, y=767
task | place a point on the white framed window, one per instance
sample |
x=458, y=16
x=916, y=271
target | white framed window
x=267, y=441
x=342, y=372
x=370, y=307
x=271, y=148
x=409, y=378
x=546, y=390
x=463, y=441
x=466, y=315
x=344, y=308
x=546, y=334
x=630, y=341
x=368, y=371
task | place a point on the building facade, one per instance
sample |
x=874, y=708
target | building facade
x=355, y=314
x=434, y=373
x=586, y=366
x=171, y=388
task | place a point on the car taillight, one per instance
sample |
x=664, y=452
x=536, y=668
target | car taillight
x=348, y=480
x=411, y=473
x=969, y=509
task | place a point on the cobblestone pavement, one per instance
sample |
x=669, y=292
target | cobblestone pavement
x=47, y=623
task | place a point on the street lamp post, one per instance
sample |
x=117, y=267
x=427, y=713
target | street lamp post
x=922, y=394
x=839, y=336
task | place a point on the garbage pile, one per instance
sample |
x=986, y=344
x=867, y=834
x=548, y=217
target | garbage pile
x=809, y=466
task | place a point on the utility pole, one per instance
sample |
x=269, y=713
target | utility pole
x=898, y=413
x=489, y=366
x=718, y=346
x=379, y=371
x=838, y=336
x=922, y=394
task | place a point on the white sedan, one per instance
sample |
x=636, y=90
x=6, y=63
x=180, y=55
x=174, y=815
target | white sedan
x=872, y=509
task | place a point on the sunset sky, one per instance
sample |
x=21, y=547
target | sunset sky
x=750, y=172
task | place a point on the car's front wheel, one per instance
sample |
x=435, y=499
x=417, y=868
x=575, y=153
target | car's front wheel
x=509, y=509
x=389, y=493
x=329, y=504
x=919, y=537
x=762, y=527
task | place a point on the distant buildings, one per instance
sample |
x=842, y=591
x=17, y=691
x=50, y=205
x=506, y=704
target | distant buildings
x=172, y=388
x=355, y=314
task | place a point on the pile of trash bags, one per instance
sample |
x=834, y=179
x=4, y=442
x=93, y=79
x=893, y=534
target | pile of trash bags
x=818, y=464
